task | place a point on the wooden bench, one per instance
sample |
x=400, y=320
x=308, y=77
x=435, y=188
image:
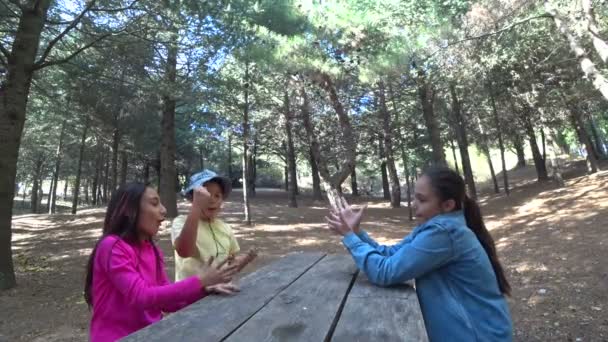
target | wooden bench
x=300, y=297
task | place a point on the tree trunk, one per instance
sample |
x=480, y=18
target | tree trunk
x=79, y=167
x=58, y=156
x=588, y=67
x=353, y=183
x=404, y=157
x=316, y=181
x=408, y=184
x=246, y=187
x=106, y=175
x=65, y=187
x=286, y=177
x=36, y=186
x=555, y=165
x=331, y=183
x=463, y=142
x=562, y=144
x=252, y=170
x=115, y=142
x=48, y=202
x=96, y=179
x=395, y=193
x=167, y=148
x=123, y=168
x=501, y=145
x=40, y=194
x=518, y=144
x=426, y=93
x=187, y=174
x=485, y=147
x=201, y=161
x=13, y=102
x=347, y=140
x=543, y=143
x=539, y=162
x=415, y=140
x=486, y=152
x=93, y=191
x=596, y=154
x=291, y=155
x=597, y=138
x=156, y=166
x=583, y=137
x=146, y=171
x=385, y=186
x=230, y=156
x=601, y=47
x=86, y=191
x=454, y=155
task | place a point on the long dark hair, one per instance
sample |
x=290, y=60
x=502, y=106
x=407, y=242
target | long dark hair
x=448, y=185
x=121, y=220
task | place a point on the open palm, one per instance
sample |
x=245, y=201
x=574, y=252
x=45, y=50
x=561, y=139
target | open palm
x=347, y=215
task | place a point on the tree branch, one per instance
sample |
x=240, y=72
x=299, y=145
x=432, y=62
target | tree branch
x=485, y=35
x=54, y=22
x=62, y=34
x=10, y=13
x=506, y=28
x=18, y=4
x=39, y=66
x=601, y=47
x=4, y=51
x=110, y=10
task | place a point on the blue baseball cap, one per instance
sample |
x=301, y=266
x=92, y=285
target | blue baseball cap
x=206, y=176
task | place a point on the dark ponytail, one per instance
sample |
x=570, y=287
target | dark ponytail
x=472, y=214
x=450, y=186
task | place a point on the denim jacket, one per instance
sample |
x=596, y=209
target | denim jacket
x=456, y=285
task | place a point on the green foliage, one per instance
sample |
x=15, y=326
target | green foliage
x=230, y=52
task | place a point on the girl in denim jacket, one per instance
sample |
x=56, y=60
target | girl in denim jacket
x=460, y=283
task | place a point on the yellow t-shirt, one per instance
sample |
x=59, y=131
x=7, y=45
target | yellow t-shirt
x=213, y=239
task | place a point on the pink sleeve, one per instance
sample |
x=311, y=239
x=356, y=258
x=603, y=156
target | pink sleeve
x=127, y=280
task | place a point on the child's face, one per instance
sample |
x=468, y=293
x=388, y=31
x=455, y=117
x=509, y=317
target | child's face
x=151, y=213
x=426, y=202
x=214, y=206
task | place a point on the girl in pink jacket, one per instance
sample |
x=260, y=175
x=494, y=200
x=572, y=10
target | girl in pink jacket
x=126, y=283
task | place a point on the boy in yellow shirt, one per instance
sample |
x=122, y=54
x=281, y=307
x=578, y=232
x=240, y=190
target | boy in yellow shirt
x=201, y=235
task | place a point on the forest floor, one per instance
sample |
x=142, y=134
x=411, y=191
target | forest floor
x=551, y=240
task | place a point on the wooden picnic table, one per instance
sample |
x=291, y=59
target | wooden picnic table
x=300, y=297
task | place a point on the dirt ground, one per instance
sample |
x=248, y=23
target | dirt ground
x=551, y=240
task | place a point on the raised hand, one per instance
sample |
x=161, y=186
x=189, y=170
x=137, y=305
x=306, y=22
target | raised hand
x=200, y=198
x=222, y=273
x=243, y=260
x=348, y=215
x=334, y=222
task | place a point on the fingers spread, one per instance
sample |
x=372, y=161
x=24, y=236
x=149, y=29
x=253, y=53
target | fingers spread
x=210, y=262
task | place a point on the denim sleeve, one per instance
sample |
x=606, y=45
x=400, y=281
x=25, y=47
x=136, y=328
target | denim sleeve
x=382, y=249
x=428, y=250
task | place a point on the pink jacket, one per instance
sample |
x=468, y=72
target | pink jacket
x=130, y=291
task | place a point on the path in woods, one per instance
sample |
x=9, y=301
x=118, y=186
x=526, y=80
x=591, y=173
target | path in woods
x=552, y=242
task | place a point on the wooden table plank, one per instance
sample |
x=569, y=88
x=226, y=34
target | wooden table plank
x=215, y=317
x=306, y=310
x=374, y=313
